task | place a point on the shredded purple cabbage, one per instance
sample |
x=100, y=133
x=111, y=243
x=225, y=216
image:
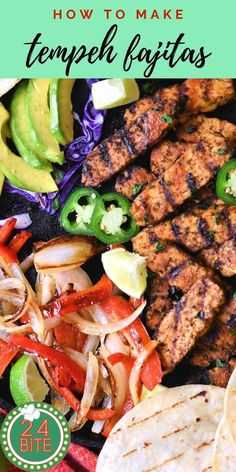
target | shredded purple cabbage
x=91, y=124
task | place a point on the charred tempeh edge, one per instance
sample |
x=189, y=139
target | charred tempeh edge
x=193, y=95
x=132, y=181
x=196, y=166
x=206, y=228
x=189, y=319
x=119, y=150
x=220, y=342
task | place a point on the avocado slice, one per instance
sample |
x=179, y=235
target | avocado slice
x=15, y=168
x=20, y=131
x=62, y=121
x=38, y=115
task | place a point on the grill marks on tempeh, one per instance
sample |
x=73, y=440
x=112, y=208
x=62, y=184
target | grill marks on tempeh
x=206, y=228
x=132, y=181
x=118, y=151
x=183, y=297
x=220, y=342
x=148, y=121
x=189, y=319
x=193, y=96
x=197, y=165
x=221, y=258
x=200, y=128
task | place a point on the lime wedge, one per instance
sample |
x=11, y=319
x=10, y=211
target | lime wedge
x=111, y=93
x=127, y=271
x=145, y=393
x=26, y=383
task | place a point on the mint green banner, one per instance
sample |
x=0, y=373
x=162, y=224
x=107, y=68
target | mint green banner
x=118, y=38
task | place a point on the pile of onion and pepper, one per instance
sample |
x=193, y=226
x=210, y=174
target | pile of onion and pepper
x=87, y=340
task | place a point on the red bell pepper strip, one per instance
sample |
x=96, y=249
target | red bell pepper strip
x=116, y=307
x=6, y=230
x=7, y=353
x=62, y=377
x=69, y=336
x=127, y=361
x=67, y=303
x=17, y=243
x=52, y=355
x=8, y=254
x=94, y=414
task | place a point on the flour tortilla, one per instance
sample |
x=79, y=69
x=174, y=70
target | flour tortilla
x=224, y=455
x=7, y=84
x=171, y=432
x=230, y=405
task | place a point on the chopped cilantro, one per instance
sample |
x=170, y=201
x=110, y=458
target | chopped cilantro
x=221, y=151
x=167, y=184
x=190, y=129
x=137, y=188
x=219, y=363
x=234, y=295
x=217, y=218
x=166, y=118
x=210, y=234
x=159, y=247
x=233, y=333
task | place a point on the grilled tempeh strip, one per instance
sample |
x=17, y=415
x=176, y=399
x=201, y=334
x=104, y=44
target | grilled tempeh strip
x=187, y=321
x=126, y=144
x=218, y=376
x=160, y=300
x=193, y=95
x=151, y=124
x=200, y=230
x=196, y=166
x=132, y=181
x=164, y=155
x=200, y=128
x=221, y=257
x=220, y=342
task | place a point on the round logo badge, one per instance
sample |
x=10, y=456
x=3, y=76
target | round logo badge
x=35, y=436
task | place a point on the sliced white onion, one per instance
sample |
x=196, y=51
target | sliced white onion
x=136, y=369
x=37, y=320
x=59, y=402
x=27, y=263
x=118, y=379
x=114, y=344
x=90, y=386
x=14, y=292
x=91, y=344
x=78, y=357
x=78, y=277
x=45, y=288
x=17, y=272
x=51, y=323
x=65, y=252
x=13, y=328
x=99, y=424
x=90, y=327
x=23, y=220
